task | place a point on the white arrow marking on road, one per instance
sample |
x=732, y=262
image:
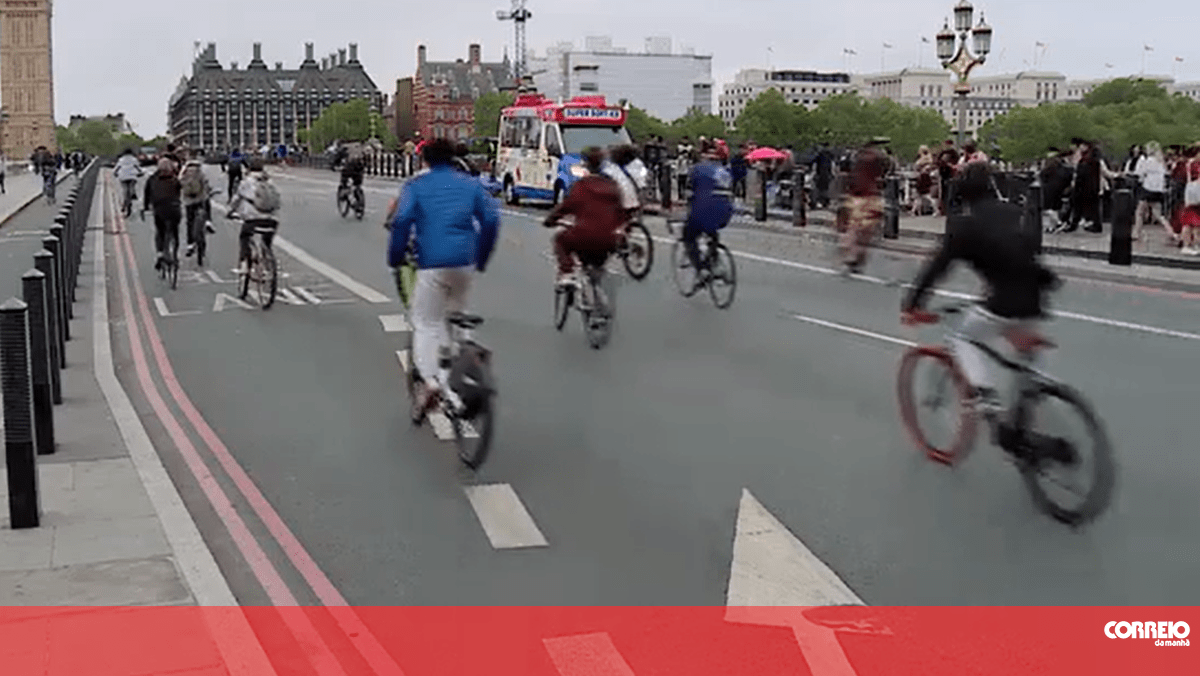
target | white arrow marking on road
x=587, y=655
x=504, y=518
x=353, y=286
x=395, y=324
x=290, y=298
x=772, y=568
x=224, y=298
x=212, y=274
x=402, y=355
x=161, y=306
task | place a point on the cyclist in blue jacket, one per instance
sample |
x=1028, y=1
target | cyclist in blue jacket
x=440, y=210
x=711, y=205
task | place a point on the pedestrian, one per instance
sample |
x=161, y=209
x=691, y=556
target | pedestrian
x=1189, y=219
x=947, y=161
x=1085, y=193
x=926, y=168
x=3, y=172
x=1151, y=173
x=863, y=208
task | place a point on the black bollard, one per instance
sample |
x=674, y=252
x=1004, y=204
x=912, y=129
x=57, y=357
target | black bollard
x=63, y=257
x=891, y=211
x=1033, y=214
x=33, y=286
x=760, y=205
x=20, y=455
x=54, y=246
x=799, y=212
x=1120, y=250
x=44, y=262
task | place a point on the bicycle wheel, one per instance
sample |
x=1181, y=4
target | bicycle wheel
x=343, y=205
x=723, y=284
x=1047, y=453
x=474, y=437
x=947, y=388
x=564, y=297
x=639, y=251
x=268, y=285
x=249, y=263
x=173, y=266
x=681, y=271
x=597, y=320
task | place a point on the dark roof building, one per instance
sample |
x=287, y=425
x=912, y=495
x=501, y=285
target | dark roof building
x=218, y=109
x=444, y=92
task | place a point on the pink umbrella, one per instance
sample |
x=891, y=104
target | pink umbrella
x=761, y=154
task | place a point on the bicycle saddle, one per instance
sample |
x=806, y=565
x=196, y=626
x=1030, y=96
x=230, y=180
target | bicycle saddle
x=464, y=320
x=1029, y=341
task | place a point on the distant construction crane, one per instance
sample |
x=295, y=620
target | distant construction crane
x=518, y=15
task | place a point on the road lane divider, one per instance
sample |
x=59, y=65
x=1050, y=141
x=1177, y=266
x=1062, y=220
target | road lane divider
x=240, y=649
x=252, y=552
x=850, y=329
x=587, y=655
x=504, y=518
x=347, y=619
x=395, y=324
x=333, y=274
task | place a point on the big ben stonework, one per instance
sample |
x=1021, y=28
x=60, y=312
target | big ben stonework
x=26, y=76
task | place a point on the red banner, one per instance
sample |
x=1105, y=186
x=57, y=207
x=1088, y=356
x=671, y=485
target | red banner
x=575, y=641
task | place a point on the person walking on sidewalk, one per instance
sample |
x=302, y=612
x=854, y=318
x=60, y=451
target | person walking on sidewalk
x=863, y=208
x=3, y=172
x=162, y=195
x=1151, y=172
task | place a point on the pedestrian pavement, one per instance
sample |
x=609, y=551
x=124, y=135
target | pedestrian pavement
x=113, y=533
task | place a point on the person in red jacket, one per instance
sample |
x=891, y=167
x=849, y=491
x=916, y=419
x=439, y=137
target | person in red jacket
x=595, y=202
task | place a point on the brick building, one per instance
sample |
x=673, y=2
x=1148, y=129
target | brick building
x=442, y=94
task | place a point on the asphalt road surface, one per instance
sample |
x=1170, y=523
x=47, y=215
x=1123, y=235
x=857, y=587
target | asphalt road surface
x=618, y=476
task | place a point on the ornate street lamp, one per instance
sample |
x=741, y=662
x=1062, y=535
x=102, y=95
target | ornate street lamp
x=962, y=61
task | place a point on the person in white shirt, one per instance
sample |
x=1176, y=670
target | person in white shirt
x=1151, y=171
x=626, y=169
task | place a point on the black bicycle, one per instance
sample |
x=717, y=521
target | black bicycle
x=718, y=272
x=261, y=269
x=351, y=199
x=199, y=225
x=589, y=296
x=168, y=267
x=1036, y=454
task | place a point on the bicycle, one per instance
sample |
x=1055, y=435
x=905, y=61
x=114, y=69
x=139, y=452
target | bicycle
x=1033, y=452
x=594, y=304
x=468, y=401
x=168, y=269
x=130, y=189
x=636, y=248
x=351, y=199
x=716, y=261
x=199, y=228
x=49, y=184
x=261, y=268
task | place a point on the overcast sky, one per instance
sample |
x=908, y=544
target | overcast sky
x=128, y=55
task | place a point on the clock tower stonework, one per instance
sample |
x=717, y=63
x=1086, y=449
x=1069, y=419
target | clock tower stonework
x=26, y=77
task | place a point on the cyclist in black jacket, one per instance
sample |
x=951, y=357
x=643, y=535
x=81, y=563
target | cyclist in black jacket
x=989, y=238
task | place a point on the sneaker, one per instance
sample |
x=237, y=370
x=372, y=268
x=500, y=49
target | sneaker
x=209, y=227
x=425, y=396
x=566, y=280
x=191, y=250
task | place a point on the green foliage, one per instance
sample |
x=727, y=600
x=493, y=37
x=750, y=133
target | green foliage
x=95, y=138
x=349, y=121
x=845, y=120
x=1117, y=114
x=487, y=113
x=696, y=124
x=642, y=126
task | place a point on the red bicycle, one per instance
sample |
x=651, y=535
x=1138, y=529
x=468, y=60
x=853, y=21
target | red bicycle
x=1039, y=456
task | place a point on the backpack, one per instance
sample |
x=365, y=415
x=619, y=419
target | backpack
x=266, y=196
x=193, y=182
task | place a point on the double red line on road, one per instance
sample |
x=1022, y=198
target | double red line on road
x=301, y=627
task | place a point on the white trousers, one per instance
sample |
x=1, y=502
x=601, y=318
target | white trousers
x=439, y=291
x=981, y=326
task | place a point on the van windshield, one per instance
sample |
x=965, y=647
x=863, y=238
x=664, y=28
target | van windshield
x=577, y=138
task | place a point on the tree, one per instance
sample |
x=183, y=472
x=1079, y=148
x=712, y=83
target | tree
x=696, y=124
x=642, y=126
x=487, y=113
x=349, y=121
x=770, y=120
x=1124, y=90
x=94, y=137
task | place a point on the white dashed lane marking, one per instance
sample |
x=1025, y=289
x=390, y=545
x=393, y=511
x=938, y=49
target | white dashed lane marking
x=504, y=518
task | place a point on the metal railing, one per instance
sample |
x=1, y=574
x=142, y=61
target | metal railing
x=34, y=331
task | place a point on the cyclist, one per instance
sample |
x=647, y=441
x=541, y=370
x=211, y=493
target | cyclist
x=128, y=171
x=711, y=205
x=245, y=206
x=352, y=171
x=46, y=165
x=990, y=239
x=440, y=208
x=196, y=191
x=162, y=194
x=234, y=170
x=595, y=202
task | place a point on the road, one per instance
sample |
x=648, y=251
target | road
x=620, y=474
